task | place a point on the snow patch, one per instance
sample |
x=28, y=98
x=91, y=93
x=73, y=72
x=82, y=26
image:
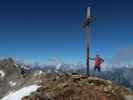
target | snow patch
x=12, y=84
x=58, y=66
x=18, y=95
x=2, y=74
x=16, y=65
x=38, y=73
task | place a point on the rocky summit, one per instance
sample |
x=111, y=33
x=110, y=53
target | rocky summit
x=79, y=87
x=57, y=85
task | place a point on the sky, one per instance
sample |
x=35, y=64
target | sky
x=38, y=30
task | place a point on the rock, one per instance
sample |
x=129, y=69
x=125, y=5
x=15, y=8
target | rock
x=76, y=78
x=109, y=82
x=109, y=87
x=91, y=84
x=78, y=87
x=129, y=97
x=63, y=85
x=106, y=89
x=10, y=76
x=42, y=89
x=26, y=98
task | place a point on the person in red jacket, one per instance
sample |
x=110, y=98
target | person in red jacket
x=98, y=61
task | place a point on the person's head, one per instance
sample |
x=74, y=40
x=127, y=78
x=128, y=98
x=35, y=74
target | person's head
x=97, y=55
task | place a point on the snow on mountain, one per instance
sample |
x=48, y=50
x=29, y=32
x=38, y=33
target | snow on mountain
x=17, y=95
x=10, y=74
x=2, y=74
x=12, y=84
x=38, y=73
x=58, y=66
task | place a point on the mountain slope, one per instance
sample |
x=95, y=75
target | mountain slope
x=10, y=76
x=79, y=87
x=20, y=93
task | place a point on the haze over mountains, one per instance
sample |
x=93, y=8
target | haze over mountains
x=11, y=78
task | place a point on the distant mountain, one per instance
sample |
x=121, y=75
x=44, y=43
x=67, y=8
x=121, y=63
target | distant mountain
x=120, y=76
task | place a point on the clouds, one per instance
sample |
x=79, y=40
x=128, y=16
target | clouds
x=124, y=55
x=54, y=60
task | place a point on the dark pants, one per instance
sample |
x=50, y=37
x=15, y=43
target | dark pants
x=97, y=68
x=22, y=71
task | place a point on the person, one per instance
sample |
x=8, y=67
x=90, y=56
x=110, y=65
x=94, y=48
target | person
x=98, y=61
x=24, y=70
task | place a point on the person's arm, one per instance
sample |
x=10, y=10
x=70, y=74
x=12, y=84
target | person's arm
x=102, y=60
x=91, y=58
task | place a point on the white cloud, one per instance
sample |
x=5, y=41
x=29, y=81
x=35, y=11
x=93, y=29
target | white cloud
x=124, y=55
x=54, y=61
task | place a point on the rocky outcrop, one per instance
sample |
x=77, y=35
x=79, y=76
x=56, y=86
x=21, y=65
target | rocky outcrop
x=59, y=85
x=79, y=87
x=9, y=75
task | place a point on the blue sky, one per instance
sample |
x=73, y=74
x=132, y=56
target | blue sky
x=41, y=29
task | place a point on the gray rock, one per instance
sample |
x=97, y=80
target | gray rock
x=129, y=97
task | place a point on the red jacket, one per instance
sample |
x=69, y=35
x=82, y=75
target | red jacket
x=98, y=61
